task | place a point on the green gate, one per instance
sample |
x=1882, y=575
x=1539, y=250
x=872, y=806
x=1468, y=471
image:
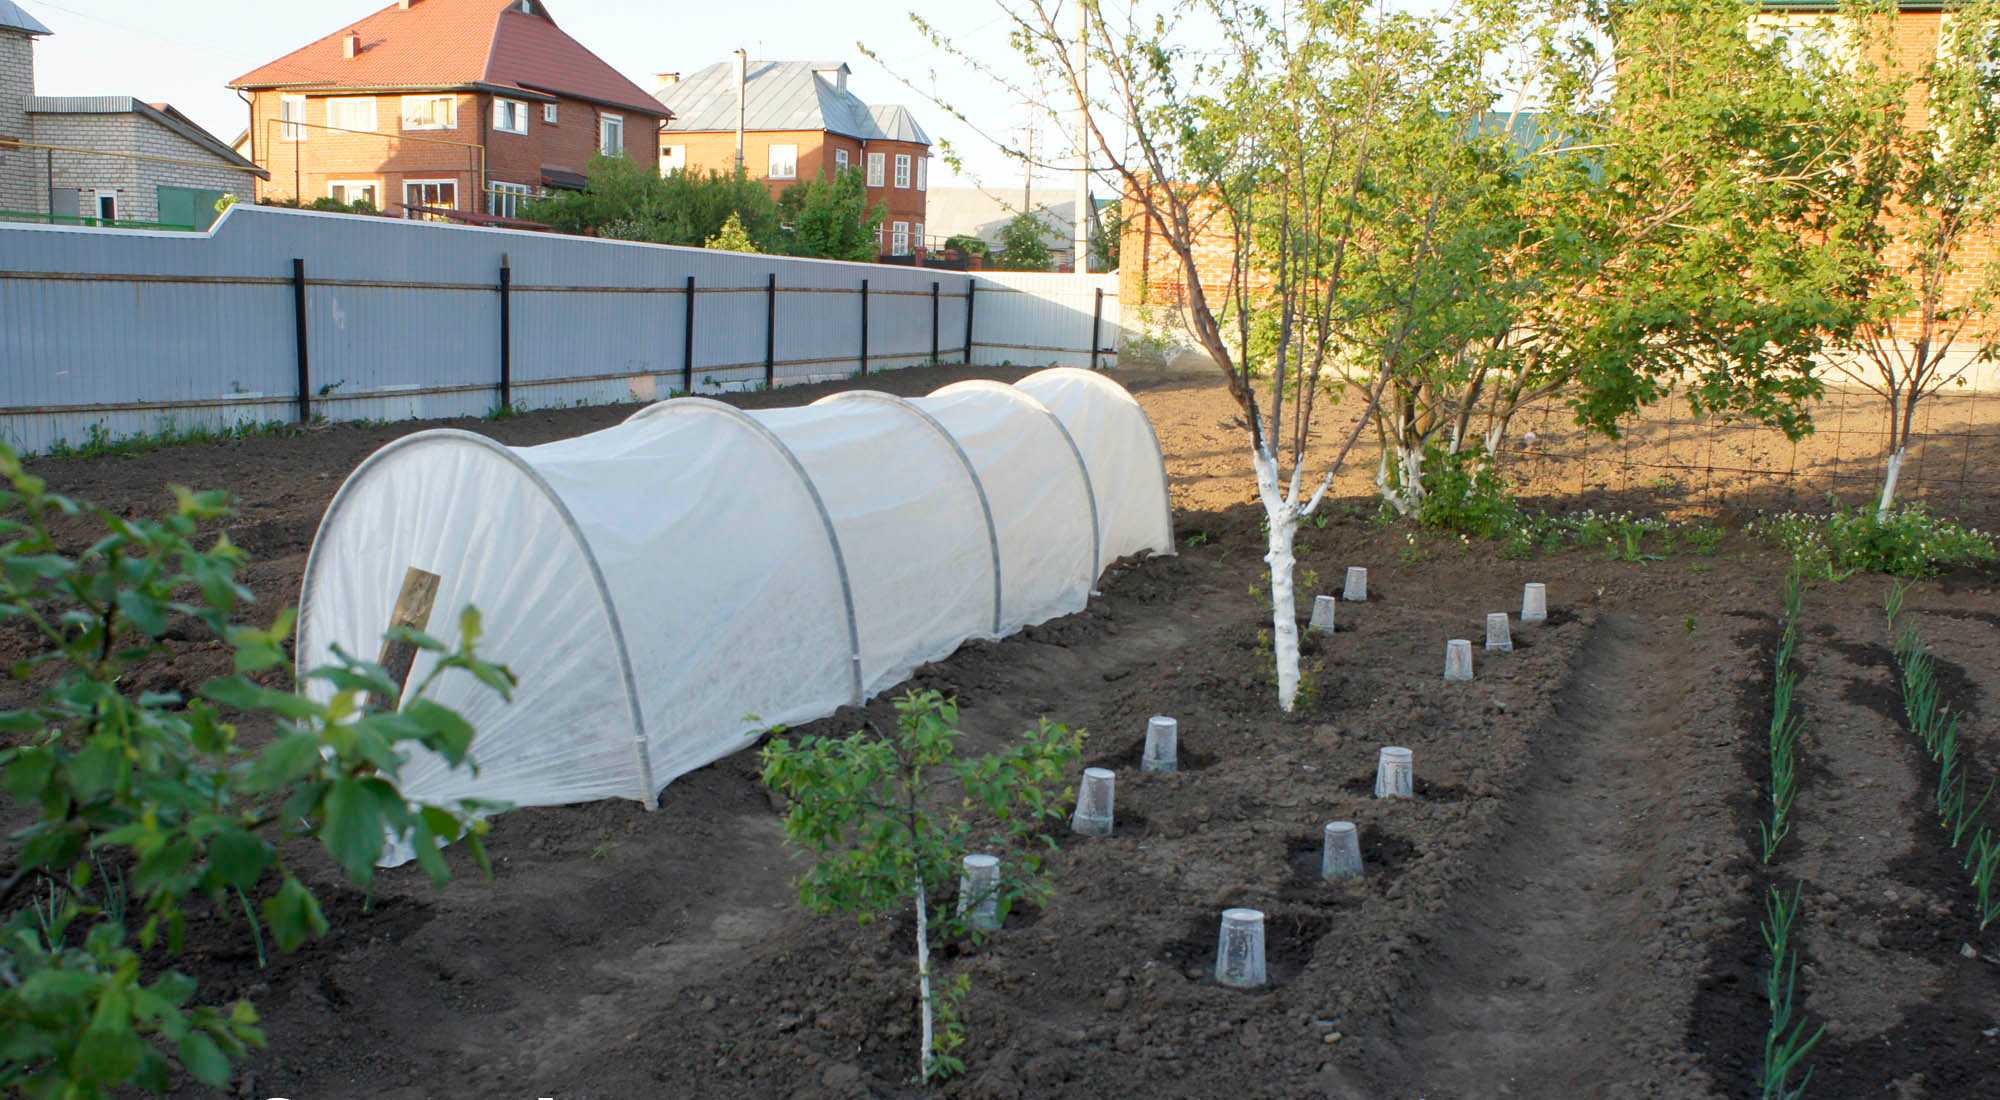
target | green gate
x=188, y=206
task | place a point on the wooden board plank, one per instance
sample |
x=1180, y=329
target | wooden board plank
x=413, y=609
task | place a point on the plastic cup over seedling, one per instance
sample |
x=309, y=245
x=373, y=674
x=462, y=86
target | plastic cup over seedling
x=1534, y=603
x=1394, y=774
x=1497, y=635
x=1357, y=584
x=1093, y=803
x=979, y=893
x=1340, y=856
x=1323, y=609
x=1458, y=659
x=1239, y=951
x=1162, y=753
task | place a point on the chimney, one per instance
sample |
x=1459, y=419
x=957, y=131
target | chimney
x=406, y=5
x=350, y=47
x=663, y=81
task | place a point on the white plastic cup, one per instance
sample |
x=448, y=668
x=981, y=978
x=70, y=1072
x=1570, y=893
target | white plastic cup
x=1497, y=635
x=1394, y=773
x=1323, y=609
x=1093, y=803
x=978, y=893
x=1340, y=855
x=1357, y=584
x=1239, y=950
x=1458, y=659
x=1534, y=603
x=1162, y=753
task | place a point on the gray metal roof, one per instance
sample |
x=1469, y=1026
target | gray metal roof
x=782, y=95
x=163, y=115
x=14, y=19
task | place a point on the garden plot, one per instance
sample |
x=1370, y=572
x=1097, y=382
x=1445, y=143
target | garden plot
x=1567, y=907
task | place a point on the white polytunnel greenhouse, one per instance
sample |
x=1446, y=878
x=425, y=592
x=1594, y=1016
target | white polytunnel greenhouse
x=669, y=588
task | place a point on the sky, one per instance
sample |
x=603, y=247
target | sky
x=185, y=54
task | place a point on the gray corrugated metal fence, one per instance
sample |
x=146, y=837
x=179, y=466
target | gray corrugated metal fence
x=127, y=333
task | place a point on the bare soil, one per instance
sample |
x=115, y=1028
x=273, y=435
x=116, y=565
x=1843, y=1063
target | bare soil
x=1569, y=908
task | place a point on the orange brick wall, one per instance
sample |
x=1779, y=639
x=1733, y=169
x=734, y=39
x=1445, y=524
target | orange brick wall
x=470, y=155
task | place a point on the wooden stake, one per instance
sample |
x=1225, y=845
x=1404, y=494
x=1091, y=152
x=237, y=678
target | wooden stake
x=413, y=609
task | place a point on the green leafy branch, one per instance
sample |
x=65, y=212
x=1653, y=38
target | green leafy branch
x=149, y=803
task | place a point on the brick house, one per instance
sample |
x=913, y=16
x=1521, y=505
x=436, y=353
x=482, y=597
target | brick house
x=800, y=122
x=109, y=157
x=443, y=105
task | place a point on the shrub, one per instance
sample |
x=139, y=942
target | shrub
x=1909, y=543
x=149, y=805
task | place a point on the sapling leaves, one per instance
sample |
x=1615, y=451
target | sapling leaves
x=892, y=815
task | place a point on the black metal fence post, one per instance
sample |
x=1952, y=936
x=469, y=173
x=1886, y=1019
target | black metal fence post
x=687, y=342
x=934, y=322
x=1096, y=321
x=864, y=328
x=771, y=332
x=506, y=334
x=305, y=360
x=971, y=285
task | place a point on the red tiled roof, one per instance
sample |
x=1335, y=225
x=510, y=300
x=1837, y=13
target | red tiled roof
x=454, y=44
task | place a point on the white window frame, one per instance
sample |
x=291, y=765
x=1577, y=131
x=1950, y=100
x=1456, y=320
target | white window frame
x=549, y=114
x=606, y=123
x=359, y=104
x=903, y=171
x=917, y=235
x=420, y=103
x=840, y=163
x=673, y=158
x=878, y=240
x=372, y=185
x=97, y=200
x=453, y=182
x=899, y=238
x=503, y=200
x=923, y=163
x=790, y=164
x=515, y=107
x=292, y=128
x=876, y=163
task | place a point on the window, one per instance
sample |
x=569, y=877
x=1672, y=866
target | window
x=922, y=163
x=902, y=169
x=430, y=112
x=107, y=205
x=351, y=113
x=878, y=240
x=504, y=199
x=353, y=191
x=917, y=235
x=839, y=160
x=874, y=169
x=899, y=239
x=549, y=113
x=510, y=116
x=784, y=162
x=611, y=135
x=292, y=109
x=673, y=158
x=430, y=193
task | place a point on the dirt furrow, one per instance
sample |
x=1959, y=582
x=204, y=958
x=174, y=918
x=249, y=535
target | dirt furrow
x=1547, y=980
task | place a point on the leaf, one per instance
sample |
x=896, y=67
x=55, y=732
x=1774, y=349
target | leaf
x=293, y=915
x=453, y=733
x=202, y=1058
x=147, y=612
x=284, y=761
x=238, y=858
x=353, y=828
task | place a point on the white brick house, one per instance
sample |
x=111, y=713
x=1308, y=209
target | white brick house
x=103, y=156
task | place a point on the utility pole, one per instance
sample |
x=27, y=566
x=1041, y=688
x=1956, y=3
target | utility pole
x=1028, y=176
x=742, y=68
x=1082, y=212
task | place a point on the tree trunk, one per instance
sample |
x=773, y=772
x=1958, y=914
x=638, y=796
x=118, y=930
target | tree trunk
x=1889, y=483
x=924, y=974
x=1283, y=519
x=1405, y=491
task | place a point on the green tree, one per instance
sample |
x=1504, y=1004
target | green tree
x=627, y=200
x=1929, y=279
x=968, y=244
x=891, y=817
x=148, y=807
x=830, y=218
x=732, y=238
x=1022, y=247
